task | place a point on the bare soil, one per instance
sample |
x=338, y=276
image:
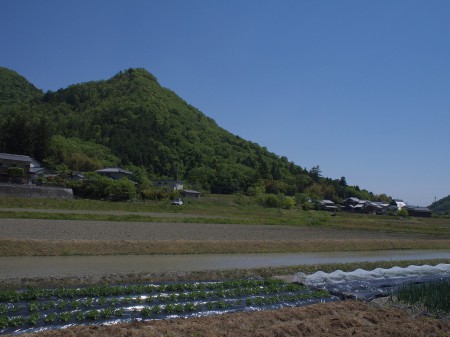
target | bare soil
x=349, y=318
x=79, y=237
x=40, y=229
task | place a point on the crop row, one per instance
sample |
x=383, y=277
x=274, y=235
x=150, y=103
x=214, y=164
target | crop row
x=35, y=306
x=434, y=297
x=62, y=317
x=155, y=311
x=123, y=290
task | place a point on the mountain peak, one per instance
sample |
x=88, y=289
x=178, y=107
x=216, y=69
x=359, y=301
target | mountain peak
x=15, y=88
x=133, y=74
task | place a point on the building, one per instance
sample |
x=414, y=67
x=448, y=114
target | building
x=422, y=212
x=115, y=173
x=328, y=205
x=8, y=161
x=170, y=185
x=191, y=194
x=397, y=204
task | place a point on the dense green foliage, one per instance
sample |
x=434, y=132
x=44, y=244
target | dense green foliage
x=441, y=206
x=130, y=120
x=15, y=88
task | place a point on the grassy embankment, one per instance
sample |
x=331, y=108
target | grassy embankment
x=432, y=233
x=209, y=275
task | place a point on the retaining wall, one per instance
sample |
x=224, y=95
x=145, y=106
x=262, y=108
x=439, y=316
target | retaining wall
x=33, y=191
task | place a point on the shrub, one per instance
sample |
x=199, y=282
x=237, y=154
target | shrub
x=403, y=212
x=16, y=172
x=122, y=189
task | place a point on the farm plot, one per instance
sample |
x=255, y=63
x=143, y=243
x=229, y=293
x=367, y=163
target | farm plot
x=42, y=309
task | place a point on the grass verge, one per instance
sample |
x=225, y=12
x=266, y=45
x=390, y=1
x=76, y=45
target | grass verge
x=212, y=275
x=224, y=209
x=123, y=247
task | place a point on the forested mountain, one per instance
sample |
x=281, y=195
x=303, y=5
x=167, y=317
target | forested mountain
x=130, y=120
x=15, y=88
x=441, y=206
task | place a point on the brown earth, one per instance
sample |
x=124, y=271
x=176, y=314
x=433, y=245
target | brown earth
x=40, y=237
x=348, y=318
x=42, y=229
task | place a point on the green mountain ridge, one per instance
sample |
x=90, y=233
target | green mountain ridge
x=441, y=206
x=15, y=88
x=130, y=120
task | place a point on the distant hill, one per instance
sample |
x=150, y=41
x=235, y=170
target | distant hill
x=130, y=120
x=441, y=206
x=15, y=88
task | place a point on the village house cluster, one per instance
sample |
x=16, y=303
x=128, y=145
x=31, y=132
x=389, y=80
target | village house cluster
x=32, y=170
x=356, y=205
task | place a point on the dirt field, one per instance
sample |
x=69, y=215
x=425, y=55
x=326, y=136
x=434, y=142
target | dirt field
x=40, y=237
x=349, y=318
x=109, y=230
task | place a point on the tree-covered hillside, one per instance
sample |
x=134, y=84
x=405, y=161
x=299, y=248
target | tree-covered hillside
x=441, y=206
x=130, y=120
x=15, y=88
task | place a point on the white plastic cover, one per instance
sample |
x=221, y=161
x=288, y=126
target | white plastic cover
x=367, y=284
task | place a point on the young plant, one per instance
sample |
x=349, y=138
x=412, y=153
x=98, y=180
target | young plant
x=34, y=318
x=119, y=312
x=146, y=312
x=65, y=316
x=93, y=314
x=4, y=322
x=50, y=318
x=108, y=312
x=80, y=316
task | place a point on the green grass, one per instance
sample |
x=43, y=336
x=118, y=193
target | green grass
x=434, y=297
x=223, y=209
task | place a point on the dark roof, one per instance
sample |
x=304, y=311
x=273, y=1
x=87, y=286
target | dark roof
x=15, y=157
x=418, y=209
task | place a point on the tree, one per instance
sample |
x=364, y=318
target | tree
x=315, y=173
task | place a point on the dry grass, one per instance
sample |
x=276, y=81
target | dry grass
x=11, y=247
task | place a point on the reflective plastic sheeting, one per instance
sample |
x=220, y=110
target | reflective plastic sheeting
x=368, y=284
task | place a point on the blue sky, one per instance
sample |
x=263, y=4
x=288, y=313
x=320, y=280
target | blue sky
x=361, y=88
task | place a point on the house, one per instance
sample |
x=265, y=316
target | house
x=397, y=204
x=423, y=212
x=14, y=160
x=191, y=194
x=37, y=170
x=381, y=207
x=349, y=204
x=171, y=185
x=115, y=173
x=364, y=206
x=328, y=205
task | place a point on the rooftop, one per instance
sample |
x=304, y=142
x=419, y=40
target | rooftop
x=15, y=157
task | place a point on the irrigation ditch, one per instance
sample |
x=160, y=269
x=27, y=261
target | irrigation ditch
x=34, y=310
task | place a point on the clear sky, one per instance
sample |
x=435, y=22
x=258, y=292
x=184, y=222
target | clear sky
x=360, y=88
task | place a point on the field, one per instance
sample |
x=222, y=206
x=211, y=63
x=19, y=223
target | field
x=221, y=224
